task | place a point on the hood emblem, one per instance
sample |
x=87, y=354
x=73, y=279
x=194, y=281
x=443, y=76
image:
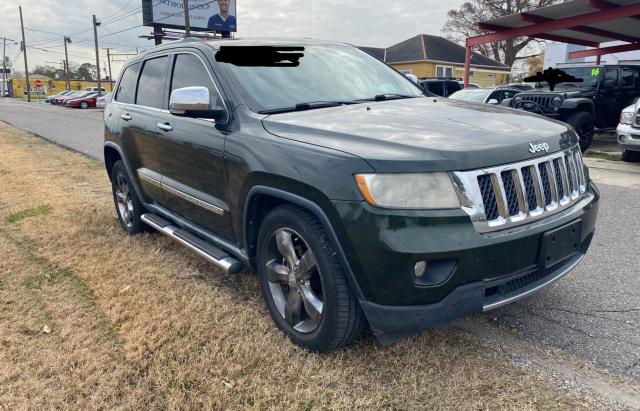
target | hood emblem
x=537, y=148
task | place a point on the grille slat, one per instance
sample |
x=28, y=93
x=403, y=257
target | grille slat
x=510, y=195
x=530, y=188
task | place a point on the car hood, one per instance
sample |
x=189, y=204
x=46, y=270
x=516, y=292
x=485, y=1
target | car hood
x=425, y=134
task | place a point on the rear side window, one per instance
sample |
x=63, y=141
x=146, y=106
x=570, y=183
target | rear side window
x=126, y=91
x=452, y=87
x=188, y=71
x=436, y=88
x=151, y=86
x=628, y=77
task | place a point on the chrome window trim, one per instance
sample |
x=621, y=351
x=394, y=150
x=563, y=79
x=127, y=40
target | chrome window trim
x=142, y=61
x=470, y=195
x=181, y=194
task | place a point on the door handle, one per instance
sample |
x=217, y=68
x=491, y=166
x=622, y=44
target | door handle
x=125, y=117
x=165, y=126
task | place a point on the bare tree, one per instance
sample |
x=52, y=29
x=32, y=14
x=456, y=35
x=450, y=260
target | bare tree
x=463, y=23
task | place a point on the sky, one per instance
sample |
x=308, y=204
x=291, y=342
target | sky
x=376, y=23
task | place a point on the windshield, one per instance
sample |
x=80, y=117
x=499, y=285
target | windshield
x=587, y=74
x=470, y=95
x=271, y=78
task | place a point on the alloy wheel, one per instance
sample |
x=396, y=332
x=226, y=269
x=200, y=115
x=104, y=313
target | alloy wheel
x=294, y=281
x=123, y=199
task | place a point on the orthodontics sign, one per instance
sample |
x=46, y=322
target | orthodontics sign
x=204, y=15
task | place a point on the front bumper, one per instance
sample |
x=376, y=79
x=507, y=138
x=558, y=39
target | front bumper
x=474, y=272
x=628, y=137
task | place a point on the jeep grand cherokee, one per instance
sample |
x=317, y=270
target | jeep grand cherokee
x=358, y=200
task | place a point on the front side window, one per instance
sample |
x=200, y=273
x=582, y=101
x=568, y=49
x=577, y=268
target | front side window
x=126, y=91
x=188, y=71
x=270, y=78
x=152, y=82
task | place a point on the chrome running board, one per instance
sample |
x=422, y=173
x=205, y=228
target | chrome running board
x=211, y=253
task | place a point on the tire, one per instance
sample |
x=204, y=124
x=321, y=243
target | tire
x=630, y=156
x=582, y=122
x=128, y=206
x=84, y=105
x=340, y=319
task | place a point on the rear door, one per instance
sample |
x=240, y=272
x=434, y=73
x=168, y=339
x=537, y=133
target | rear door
x=191, y=153
x=609, y=100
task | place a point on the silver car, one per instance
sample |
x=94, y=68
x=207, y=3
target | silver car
x=103, y=100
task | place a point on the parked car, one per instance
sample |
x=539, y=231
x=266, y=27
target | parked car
x=50, y=99
x=84, y=102
x=493, y=95
x=520, y=86
x=358, y=203
x=442, y=87
x=103, y=100
x=629, y=132
x=592, y=104
x=470, y=85
x=59, y=100
x=79, y=95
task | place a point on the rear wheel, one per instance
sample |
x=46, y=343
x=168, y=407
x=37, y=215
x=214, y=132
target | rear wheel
x=582, y=122
x=84, y=105
x=303, y=284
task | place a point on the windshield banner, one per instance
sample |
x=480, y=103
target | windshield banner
x=204, y=15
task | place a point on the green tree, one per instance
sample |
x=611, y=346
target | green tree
x=463, y=23
x=86, y=71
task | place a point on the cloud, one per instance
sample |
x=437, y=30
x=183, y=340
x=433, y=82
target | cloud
x=379, y=23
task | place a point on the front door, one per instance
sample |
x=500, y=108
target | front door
x=191, y=153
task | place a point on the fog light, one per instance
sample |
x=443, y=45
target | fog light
x=420, y=268
x=623, y=137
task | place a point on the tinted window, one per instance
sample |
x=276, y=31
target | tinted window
x=436, y=88
x=627, y=77
x=151, y=84
x=126, y=91
x=510, y=93
x=611, y=75
x=495, y=96
x=188, y=71
x=453, y=86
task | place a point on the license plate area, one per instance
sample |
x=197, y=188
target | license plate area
x=560, y=244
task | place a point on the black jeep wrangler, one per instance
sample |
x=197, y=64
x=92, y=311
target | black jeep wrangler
x=593, y=104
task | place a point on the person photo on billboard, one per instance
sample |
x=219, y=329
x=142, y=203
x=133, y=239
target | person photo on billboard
x=223, y=21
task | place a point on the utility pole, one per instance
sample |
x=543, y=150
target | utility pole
x=66, y=62
x=24, y=51
x=109, y=61
x=95, y=35
x=187, y=19
x=4, y=64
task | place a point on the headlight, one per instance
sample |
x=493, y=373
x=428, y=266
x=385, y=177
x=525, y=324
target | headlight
x=626, y=117
x=408, y=191
x=517, y=99
x=556, y=101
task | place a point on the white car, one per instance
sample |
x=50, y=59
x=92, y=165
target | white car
x=629, y=131
x=103, y=100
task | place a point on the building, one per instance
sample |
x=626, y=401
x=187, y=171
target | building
x=433, y=56
x=558, y=53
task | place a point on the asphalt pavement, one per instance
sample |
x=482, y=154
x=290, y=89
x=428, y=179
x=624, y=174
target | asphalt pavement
x=593, y=312
x=80, y=130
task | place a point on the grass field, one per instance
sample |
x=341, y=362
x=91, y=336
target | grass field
x=93, y=319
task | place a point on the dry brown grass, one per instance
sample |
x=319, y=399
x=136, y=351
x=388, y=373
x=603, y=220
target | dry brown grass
x=142, y=323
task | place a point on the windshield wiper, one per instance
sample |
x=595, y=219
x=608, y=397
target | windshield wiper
x=307, y=106
x=388, y=96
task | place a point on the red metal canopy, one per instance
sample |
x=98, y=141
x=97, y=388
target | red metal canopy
x=584, y=22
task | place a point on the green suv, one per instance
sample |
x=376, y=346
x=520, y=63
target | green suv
x=358, y=200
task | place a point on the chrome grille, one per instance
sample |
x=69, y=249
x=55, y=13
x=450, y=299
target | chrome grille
x=637, y=120
x=505, y=196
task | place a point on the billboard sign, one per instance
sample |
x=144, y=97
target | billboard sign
x=204, y=15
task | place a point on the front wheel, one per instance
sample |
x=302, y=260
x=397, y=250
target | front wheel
x=303, y=283
x=84, y=105
x=128, y=205
x=582, y=122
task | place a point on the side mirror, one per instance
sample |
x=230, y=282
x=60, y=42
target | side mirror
x=194, y=102
x=493, y=101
